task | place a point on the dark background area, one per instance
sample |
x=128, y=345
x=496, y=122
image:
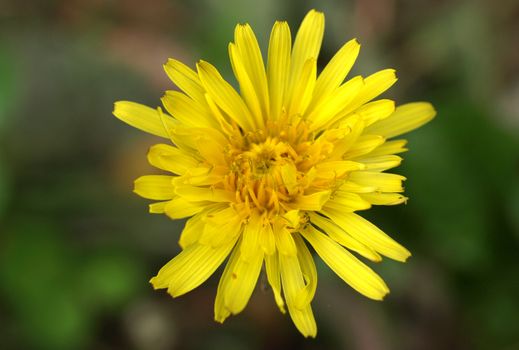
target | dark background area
x=77, y=248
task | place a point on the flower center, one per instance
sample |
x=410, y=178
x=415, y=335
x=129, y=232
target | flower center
x=270, y=168
x=266, y=158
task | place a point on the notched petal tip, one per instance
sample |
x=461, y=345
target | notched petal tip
x=200, y=64
x=170, y=63
x=383, y=296
x=220, y=320
x=242, y=26
x=315, y=12
x=376, y=258
x=138, y=181
x=408, y=256
x=153, y=282
x=403, y=255
x=383, y=292
x=115, y=106
x=175, y=293
x=121, y=107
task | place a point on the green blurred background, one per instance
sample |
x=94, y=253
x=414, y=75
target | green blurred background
x=77, y=247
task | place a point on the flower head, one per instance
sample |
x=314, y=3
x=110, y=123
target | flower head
x=286, y=162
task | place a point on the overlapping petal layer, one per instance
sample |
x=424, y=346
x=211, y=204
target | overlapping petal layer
x=290, y=157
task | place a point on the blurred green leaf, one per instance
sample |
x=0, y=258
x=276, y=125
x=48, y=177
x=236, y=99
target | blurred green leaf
x=109, y=279
x=32, y=255
x=447, y=199
x=58, y=322
x=494, y=315
x=37, y=271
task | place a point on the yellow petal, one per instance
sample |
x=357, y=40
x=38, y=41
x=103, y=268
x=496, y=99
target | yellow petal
x=314, y=201
x=171, y=159
x=301, y=94
x=188, y=111
x=307, y=264
x=336, y=70
x=349, y=186
x=218, y=234
x=250, y=54
x=289, y=176
x=210, y=149
x=143, y=117
x=368, y=234
x=284, y=241
x=380, y=163
x=239, y=286
x=342, y=237
x=336, y=169
x=186, y=79
x=181, y=136
x=363, y=145
x=306, y=44
x=221, y=225
x=224, y=95
x=251, y=236
x=267, y=239
x=292, y=218
x=380, y=198
x=158, y=207
x=346, y=266
x=221, y=312
x=377, y=110
x=203, y=176
x=178, y=273
x=354, y=126
x=273, y=276
x=179, y=207
x=346, y=201
x=293, y=283
x=278, y=66
x=194, y=193
x=383, y=182
x=222, y=121
x=405, y=118
x=205, y=262
x=247, y=90
x=389, y=147
x=192, y=230
x=222, y=214
x=374, y=85
x=332, y=108
x=158, y=187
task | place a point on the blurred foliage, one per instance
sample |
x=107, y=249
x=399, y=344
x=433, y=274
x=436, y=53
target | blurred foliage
x=77, y=247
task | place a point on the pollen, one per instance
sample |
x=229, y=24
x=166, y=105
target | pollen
x=269, y=169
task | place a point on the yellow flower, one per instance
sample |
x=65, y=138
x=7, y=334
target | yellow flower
x=284, y=163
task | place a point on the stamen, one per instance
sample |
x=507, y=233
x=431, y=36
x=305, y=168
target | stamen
x=256, y=160
x=254, y=198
